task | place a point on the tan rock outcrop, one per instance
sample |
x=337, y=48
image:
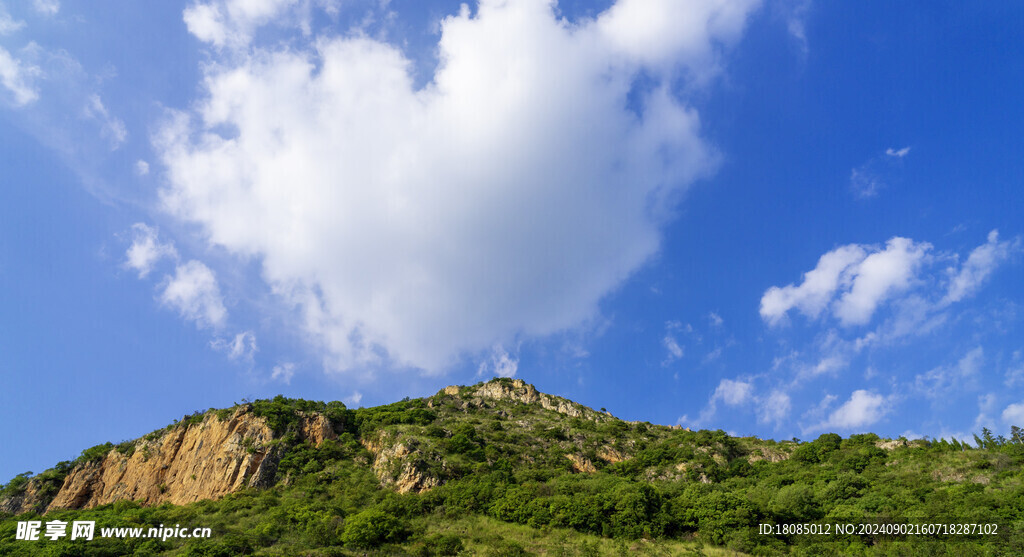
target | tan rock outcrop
x=23, y=502
x=610, y=455
x=581, y=464
x=891, y=444
x=769, y=454
x=518, y=390
x=399, y=466
x=186, y=463
x=315, y=428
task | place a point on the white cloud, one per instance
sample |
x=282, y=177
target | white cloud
x=194, y=292
x=865, y=182
x=869, y=178
x=1014, y=375
x=674, y=350
x=502, y=200
x=500, y=364
x=715, y=319
x=942, y=380
x=877, y=277
x=979, y=265
x=47, y=7
x=141, y=167
x=861, y=410
x=8, y=24
x=18, y=78
x=828, y=364
x=865, y=276
x=733, y=393
x=713, y=355
x=233, y=23
x=795, y=14
x=774, y=408
x=1014, y=414
x=283, y=372
x=987, y=406
x=146, y=250
x=817, y=289
x=111, y=127
x=241, y=347
x=354, y=399
x=662, y=34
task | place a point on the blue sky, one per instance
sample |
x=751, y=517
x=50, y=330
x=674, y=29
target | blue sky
x=776, y=219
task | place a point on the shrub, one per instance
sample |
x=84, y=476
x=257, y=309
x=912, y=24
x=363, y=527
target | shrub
x=440, y=545
x=16, y=486
x=372, y=528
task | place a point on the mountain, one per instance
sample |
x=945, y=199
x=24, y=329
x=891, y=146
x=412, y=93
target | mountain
x=501, y=468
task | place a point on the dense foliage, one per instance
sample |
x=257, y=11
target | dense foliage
x=515, y=479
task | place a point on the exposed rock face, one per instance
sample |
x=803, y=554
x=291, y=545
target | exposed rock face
x=397, y=465
x=890, y=444
x=315, y=428
x=22, y=502
x=766, y=453
x=521, y=391
x=206, y=460
x=610, y=455
x=581, y=464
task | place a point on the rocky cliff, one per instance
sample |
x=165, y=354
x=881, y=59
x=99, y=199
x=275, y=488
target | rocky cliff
x=187, y=462
x=520, y=391
x=207, y=456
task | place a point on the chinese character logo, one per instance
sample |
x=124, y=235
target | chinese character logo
x=56, y=529
x=83, y=529
x=28, y=530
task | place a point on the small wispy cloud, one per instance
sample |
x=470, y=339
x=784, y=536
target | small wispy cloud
x=242, y=347
x=730, y=392
x=940, y=381
x=18, y=77
x=46, y=7
x=863, y=409
x=1014, y=376
x=111, y=127
x=774, y=408
x=500, y=363
x=8, y=24
x=1014, y=414
x=147, y=249
x=979, y=265
x=671, y=343
x=283, y=372
x=194, y=292
x=672, y=346
x=898, y=153
x=871, y=177
x=353, y=399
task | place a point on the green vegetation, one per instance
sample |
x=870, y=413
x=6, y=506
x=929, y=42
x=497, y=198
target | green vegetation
x=508, y=478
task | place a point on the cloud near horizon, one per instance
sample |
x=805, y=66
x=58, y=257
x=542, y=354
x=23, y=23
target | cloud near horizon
x=503, y=200
x=863, y=409
x=852, y=282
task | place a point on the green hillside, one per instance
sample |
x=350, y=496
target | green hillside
x=493, y=475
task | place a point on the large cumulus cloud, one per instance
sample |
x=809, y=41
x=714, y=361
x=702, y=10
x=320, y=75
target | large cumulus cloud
x=502, y=200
